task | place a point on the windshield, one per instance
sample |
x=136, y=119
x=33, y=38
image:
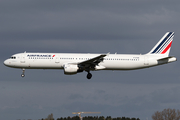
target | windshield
x=12, y=57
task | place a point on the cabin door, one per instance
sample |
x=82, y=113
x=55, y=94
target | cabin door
x=57, y=59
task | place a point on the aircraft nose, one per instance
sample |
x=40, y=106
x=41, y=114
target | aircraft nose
x=6, y=62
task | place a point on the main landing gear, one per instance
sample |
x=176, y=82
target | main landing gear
x=89, y=75
x=22, y=75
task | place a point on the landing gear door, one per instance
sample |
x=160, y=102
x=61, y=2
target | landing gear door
x=22, y=58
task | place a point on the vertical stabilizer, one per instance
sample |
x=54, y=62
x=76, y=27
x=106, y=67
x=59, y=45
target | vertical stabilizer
x=164, y=45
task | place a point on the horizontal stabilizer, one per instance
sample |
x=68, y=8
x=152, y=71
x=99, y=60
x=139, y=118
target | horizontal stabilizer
x=166, y=60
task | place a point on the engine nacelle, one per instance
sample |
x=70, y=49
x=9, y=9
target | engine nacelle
x=70, y=69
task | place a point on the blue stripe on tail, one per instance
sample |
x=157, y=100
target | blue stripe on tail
x=165, y=43
x=156, y=50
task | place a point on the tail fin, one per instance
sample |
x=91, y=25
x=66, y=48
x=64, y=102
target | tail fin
x=164, y=45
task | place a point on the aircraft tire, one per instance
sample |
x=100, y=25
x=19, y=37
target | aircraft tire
x=89, y=75
x=22, y=75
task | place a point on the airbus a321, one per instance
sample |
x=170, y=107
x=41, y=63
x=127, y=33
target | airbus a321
x=73, y=63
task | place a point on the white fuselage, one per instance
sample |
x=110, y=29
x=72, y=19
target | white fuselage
x=58, y=60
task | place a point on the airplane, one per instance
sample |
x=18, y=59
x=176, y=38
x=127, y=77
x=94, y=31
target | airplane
x=73, y=63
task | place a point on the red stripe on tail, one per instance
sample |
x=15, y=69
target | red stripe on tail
x=167, y=48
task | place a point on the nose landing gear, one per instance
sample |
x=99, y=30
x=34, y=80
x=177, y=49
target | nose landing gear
x=22, y=75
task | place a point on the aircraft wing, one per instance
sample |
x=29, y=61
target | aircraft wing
x=93, y=61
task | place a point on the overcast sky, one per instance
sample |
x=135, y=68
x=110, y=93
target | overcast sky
x=81, y=26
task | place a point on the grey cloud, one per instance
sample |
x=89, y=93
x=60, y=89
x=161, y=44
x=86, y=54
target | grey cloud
x=167, y=96
x=75, y=96
x=91, y=23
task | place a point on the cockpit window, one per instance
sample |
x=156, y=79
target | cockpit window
x=12, y=57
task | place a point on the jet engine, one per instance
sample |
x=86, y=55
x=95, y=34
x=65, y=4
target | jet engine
x=70, y=69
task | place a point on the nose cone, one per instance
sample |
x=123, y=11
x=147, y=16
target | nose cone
x=6, y=62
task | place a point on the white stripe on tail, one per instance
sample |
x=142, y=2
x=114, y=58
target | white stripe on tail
x=164, y=45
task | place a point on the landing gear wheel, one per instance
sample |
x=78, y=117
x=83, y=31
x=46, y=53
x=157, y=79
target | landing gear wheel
x=22, y=75
x=89, y=75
